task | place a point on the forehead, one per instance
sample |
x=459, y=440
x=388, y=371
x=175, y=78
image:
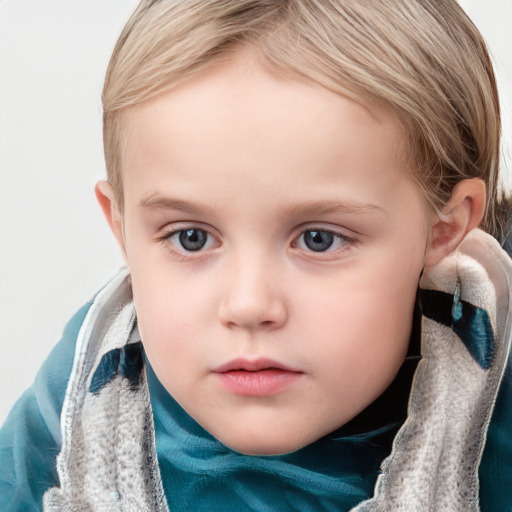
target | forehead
x=236, y=119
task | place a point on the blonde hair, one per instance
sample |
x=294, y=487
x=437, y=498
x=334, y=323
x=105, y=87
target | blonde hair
x=424, y=60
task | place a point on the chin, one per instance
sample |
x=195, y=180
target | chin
x=267, y=446
x=263, y=450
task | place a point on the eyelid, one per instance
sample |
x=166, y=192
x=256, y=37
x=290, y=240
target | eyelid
x=345, y=233
x=175, y=227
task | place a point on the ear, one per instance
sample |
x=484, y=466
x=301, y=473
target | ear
x=463, y=212
x=106, y=198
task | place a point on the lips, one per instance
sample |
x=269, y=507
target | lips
x=261, y=377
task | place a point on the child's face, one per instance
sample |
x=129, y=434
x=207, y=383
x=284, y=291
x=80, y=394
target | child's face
x=275, y=239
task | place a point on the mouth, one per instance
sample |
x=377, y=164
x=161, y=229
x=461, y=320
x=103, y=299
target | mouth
x=261, y=377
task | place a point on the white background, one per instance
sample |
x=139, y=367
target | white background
x=55, y=248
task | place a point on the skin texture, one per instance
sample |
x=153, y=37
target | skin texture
x=254, y=162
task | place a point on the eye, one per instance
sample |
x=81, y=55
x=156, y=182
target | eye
x=190, y=240
x=193, y=239
x=318, y=241
x=321, y=240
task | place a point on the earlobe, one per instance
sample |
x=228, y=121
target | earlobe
x=108, y=203
x=463, y=212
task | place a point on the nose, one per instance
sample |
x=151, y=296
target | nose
x=253, y=297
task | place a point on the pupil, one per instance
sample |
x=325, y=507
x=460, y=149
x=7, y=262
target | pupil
x=318, y=241
x=192, y=239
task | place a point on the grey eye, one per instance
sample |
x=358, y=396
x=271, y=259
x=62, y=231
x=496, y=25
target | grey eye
x=193, y=239
x=318, y=241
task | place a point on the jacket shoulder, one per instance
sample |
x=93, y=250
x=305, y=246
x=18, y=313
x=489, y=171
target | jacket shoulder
x=30, y=438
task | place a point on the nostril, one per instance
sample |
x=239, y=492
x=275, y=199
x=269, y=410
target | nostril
x=270, y=318
x=254, y=305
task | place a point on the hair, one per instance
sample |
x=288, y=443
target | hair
x=423, y=60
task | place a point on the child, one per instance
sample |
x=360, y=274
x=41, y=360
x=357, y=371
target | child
x=281, y=177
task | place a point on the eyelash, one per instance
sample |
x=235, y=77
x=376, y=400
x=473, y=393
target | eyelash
x=348, y=243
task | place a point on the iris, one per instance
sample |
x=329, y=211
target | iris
x=318, y=241
x=193, y=239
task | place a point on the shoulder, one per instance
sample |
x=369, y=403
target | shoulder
x=496, y=466
x=30, y=438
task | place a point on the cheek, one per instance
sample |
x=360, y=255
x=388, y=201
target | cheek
x=366, y=317
x=369, y=348
x=165, y=309
x=372, y=325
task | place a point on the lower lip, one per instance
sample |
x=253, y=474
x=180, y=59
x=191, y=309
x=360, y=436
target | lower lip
x=259, y=383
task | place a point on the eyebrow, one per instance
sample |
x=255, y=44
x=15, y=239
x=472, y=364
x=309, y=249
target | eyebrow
x=328, y=207
x=157, y=202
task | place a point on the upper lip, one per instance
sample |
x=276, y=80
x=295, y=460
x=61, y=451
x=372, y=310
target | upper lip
x=253, y=365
